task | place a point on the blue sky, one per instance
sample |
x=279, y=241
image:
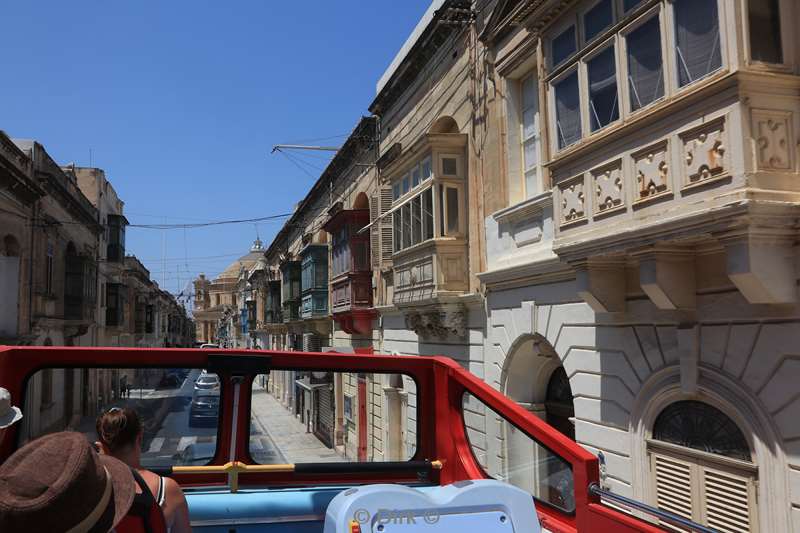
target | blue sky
x=181, y=101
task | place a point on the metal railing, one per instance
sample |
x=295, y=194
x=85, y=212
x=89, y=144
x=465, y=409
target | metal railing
x=664, y=516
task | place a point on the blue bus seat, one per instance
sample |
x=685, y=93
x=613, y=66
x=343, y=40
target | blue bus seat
x=484, y=505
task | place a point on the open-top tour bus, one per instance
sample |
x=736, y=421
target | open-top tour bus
x=291, y=441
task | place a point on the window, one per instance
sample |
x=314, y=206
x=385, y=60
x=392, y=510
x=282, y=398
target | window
x=697, y=40
x=603, y=108
x=395, y=191
x=333, y=414
x=508, y=454
x=765, y=31
x=452, y=211
x=449, y=166
x=702, y=467
x=588, y=79
x=427, y=214
x=415, y=176
x=645, y=67
x=187, y=436
x=414, y=218
x=568, y=112
x=405, y=182
x=563, y=46
x=427, y=170
x=530, y=135
x=598, y=18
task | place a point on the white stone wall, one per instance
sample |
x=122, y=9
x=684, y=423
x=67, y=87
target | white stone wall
x=746, y=362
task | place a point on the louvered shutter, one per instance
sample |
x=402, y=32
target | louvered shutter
x=729, y=497
x=721, y=497
x=673, y=480
x=374, y=232
x=386, y=224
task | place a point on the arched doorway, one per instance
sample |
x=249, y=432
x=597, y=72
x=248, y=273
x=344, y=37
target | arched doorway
x=559, y=407
x=534, y=378
x=703, y=467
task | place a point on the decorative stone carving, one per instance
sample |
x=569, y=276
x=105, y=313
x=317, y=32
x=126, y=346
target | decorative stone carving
x=437, y=323
x=572, y=200
x=704, y=152
x=773, y=139
x=608, y=186
x=652, y=172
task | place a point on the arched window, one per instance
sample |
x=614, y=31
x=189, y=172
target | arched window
x=702, y=427
x=702, y=467
x=558, y=403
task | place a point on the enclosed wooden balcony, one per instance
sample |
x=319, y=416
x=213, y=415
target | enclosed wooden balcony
x=314, y=281
x=351, y=274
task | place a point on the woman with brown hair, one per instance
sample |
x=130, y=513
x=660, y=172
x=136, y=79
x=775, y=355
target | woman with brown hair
x=120, y=432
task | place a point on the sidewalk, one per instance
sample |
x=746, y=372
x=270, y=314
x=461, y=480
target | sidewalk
x=288, y=433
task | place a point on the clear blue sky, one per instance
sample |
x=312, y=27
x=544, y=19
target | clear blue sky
x=180, y=102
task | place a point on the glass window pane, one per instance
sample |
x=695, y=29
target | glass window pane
x=452, y=211
x=406, y=186
x=397, y=220
x=531, y=182
x=765, y=31
x=517, y=458
x=416, y=220
x=415, y=177
x=603, y=108
x=178, y=408
x=568, y=111
x=427, y=214
x=395, y=191
x=449, y=166
x=529, y=93
x=406, y=209
x=529, y=149
x=440, y=201
x=645, y=65
x=597, y=19
x=319, y=408
x=627, y=5
x=426, y=168
x=563, y=46
x=697, y=46
x=529, y=123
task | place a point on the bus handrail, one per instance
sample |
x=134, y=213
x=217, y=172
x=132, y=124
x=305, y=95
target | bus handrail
x=666, y=516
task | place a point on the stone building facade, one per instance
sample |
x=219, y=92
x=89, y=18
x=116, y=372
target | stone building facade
x=646, y=250
x=593, y=206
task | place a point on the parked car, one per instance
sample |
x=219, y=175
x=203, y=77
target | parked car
x=204, y=408
x=206, y=381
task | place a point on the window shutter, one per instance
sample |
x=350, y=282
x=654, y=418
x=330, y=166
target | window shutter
x=374, y=232
x=719, y=496
x=386, y=224
x=673, y=479
x=728, y=500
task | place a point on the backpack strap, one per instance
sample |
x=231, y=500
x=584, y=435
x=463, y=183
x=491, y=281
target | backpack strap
x=143, y=503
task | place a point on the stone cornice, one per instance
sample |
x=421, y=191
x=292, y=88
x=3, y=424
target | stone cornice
x=528, y=208
x=549, y=270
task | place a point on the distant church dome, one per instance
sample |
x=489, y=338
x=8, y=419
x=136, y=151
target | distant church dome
x=246, y=261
